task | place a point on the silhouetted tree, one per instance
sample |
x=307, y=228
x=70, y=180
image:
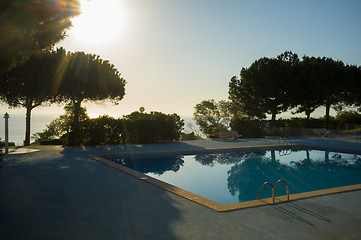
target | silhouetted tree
x=86, y=77
x=30, y=26
x=331, y=75
x=307, y=99
x=31, y=83
x=353, y=84
x=266, y=86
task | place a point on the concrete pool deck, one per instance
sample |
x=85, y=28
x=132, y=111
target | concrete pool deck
x=60, y=193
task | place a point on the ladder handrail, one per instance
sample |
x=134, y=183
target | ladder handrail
x=274, y=189
x=264, y=184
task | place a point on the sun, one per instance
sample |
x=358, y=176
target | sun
x=101, y=21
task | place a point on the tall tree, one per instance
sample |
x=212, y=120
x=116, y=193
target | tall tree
x=307, y=99
x=331, y=75
x=30, y=26
x=86, y=77
x=266, y=86
x=353, y=85
x=31, y=83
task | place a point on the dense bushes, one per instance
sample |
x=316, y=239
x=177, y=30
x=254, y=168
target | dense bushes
x=134, y=128
x=352, y=117
x=304, y=123
x=2, y=144
x=51, y=142
x=155, y=126
x=248, y=127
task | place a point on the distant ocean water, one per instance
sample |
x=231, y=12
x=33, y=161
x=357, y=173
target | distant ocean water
x=17, y=126
x=39, y=122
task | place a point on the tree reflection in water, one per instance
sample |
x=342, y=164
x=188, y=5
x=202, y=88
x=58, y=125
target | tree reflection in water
x=156, y=165
x=220, y=158
x=249, y=170
x=245, y=172
x=247, y=177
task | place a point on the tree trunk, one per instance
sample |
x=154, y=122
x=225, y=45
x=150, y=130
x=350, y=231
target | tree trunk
x=308, y=155
x=327, y=116
x=273, y=155
x=77, y=111
x=74, y=136
x=273, y=120
x=308, y=114
x=327, y=156
x=29, y=107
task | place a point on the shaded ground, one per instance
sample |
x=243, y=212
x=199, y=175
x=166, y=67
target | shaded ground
x=58, y=193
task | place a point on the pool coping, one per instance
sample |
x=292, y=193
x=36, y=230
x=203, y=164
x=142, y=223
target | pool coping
x=213, y=204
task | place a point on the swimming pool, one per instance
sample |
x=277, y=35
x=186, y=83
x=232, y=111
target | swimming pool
x=236, y=176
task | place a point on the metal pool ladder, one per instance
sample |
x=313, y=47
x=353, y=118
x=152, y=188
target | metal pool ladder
x=274, y=189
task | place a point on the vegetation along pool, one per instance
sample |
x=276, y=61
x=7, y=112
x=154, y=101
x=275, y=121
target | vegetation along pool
x=237, y=176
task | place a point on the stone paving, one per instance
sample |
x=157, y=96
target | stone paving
x=60, y=193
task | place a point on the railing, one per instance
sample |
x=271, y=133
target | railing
x=264, y=184
x=274, y=189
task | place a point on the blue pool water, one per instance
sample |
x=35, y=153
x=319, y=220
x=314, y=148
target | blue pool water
x=237, y=176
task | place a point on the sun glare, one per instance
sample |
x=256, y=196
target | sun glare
x=101, y=21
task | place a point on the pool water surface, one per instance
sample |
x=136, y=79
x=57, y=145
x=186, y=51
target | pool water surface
x=237, y=176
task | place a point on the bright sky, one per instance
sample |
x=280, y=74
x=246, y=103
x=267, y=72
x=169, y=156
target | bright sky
x=174, y=54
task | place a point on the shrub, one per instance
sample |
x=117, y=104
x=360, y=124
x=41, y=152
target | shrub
x=2, y=144
x=155, y=126
x=349, y=117
x=248, y=127
x=51, y=142
x=134, y=128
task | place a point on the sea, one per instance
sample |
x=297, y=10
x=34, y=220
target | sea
x=17, y=126
x=39, y=123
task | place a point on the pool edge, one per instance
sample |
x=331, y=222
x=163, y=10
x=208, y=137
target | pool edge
x=213, y=204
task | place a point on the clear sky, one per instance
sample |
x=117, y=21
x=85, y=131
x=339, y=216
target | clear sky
x=176, y=53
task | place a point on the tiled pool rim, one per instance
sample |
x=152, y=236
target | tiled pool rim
x=213, y=204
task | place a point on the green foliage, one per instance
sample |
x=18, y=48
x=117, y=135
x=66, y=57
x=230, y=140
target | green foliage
x=101, y=130
x=30, y=26
x=297, y=122
x=155, y=126
x=349, y=117
x=61, y=126
x=87, y=77
x=31, y=84
x=331, y=123
x=266, y=87
x=2, y=143
x=307, y=99
x=212, y=116
x=134, y=128
x=272, y=86
x=51, y=142
x=248, y=127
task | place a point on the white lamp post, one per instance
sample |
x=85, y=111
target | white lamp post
x=6, y=116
